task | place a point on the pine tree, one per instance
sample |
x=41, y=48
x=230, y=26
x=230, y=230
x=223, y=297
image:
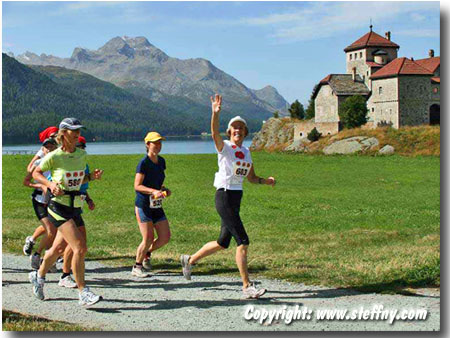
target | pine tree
x=297, y=111
x=353, y=112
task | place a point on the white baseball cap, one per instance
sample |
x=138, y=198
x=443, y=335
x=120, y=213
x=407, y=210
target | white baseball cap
x=236, y=119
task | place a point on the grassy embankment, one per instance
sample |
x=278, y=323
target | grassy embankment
x=371, y=223
x=18, y=322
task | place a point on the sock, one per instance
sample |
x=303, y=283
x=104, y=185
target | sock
x=64, y=275
x=138, y=265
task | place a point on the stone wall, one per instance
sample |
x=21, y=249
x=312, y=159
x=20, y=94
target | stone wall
x=326, y=105
x=415, y=94
x=383, y=104
x=303, y=128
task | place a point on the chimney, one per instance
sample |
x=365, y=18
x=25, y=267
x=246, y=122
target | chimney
x=388, y=35
x=431, y=53
x=354, y=74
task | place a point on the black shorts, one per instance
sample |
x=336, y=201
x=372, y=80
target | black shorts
x=40, y=209
x=228, y=205
x=60, y=214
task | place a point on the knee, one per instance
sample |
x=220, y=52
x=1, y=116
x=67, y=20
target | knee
x=166, y=238
x=80, y=249
x=243, y=248
x=223, y=245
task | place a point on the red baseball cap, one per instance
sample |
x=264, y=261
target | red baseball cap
x=81, y=141
x=45, y=134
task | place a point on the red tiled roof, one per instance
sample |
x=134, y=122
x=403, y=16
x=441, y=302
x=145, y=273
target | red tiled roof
x=373, y=64
x=371, y=39
x=436, y=79
x=326, y=79
x=401, y=66
x=430, y=63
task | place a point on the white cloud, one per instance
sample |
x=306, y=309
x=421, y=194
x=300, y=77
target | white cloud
x=326, y=19
x=420, y=33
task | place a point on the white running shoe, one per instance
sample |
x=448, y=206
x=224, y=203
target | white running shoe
x=67, y=282
x=87, y=297
x=38, y=284
x=139, y=272
x=187, y=268
x=147, y=264
x=35, y=261
x=251, y=292
x=28, y=247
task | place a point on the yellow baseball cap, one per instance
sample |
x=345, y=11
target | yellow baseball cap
x=153, y=136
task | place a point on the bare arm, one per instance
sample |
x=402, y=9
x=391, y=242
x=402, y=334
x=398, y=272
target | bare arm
x=216, y=105
x=27, y=181
x=30, y=165
x=138, y=186
x=53, y=186
x=252, y=178
x=95, y=175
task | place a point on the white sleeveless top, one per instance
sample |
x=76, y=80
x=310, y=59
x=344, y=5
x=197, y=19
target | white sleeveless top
x=234, y=165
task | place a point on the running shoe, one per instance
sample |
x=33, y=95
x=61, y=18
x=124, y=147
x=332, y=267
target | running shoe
x=67, y=282
x=60, y=260
x=187, y=268
x=139, y=272
x=38, y=284
x=28, y=247
x=87, y=297
x=251, y=292
x=35, y=261
x=147, y=264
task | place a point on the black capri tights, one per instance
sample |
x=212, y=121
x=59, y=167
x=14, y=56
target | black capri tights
x=228, y=205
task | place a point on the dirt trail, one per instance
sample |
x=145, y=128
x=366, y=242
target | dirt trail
x=167, y=302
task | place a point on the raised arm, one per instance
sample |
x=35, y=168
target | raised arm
x=216, y=105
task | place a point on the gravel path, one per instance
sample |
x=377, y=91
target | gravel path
x=167, y=302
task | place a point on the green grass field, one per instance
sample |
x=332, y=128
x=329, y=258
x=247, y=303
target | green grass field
x=371, y=223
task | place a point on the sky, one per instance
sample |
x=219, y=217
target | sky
x=290, y=45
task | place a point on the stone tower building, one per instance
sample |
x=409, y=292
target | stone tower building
x=399, y=91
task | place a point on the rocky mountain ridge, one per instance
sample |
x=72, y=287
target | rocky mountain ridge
x=135, y=62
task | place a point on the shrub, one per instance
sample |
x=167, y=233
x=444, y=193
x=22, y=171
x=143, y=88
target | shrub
x=276, y=114
x=314, y=135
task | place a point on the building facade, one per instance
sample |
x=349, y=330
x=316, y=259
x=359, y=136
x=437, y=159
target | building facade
x=399, y=91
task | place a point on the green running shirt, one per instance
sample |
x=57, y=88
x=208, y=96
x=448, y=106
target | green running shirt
x=68, y=170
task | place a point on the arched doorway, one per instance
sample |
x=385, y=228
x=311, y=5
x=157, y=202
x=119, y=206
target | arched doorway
x=435, y=114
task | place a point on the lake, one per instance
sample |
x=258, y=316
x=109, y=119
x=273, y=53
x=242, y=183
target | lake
x=185, y=145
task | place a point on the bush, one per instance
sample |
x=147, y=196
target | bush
x=276, y=114
x=353, y=112
x=314, y=135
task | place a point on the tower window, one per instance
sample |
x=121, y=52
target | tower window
x=351, y=56
x=380, y=90
x=360, y=55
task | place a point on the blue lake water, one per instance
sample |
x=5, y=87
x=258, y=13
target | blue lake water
x=191, y=145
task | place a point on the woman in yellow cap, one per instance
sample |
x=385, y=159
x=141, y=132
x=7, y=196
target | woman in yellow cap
x=148, y=184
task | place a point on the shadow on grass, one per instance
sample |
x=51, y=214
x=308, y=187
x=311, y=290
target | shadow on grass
x=398, y=287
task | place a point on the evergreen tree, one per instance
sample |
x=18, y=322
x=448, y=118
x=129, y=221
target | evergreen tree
x=310, y=111
x=297, y=111
x=353, y=112
x=276, y=114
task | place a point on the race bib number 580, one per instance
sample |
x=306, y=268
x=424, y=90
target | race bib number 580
x=73, y=179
